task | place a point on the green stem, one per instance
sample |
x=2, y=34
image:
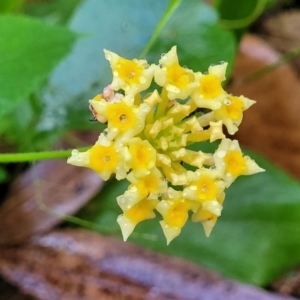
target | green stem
x=161, y=24
x=282, y=60
x=34, y=156
x=240, y=23
x=35, y=105
x=161, y=108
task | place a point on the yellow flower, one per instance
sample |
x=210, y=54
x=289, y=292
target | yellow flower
x=177, y=80
x=205, y=185
x=150, y=186
x=141, y=211
x=210, y=93
x=143, y=157
x=148, y=136
x=132, y=76
x=174, y=210
x=121, y=116
x=103, y=159
x=124, y=119
x=230, y=161
x=210, y=86
x=153, y=183
x=207, y=218
x=231, y=112
x=235, y=163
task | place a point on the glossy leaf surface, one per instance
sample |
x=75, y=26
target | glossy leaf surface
x=29, y=50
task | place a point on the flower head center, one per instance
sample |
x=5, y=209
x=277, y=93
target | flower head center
x=106, y=158
x=143, y=155
x=210, y=86
x=103, y=158
x=151, y=183
x=178, y=76
x=148, y=184
x=121, y=116
x=177, y=215
x=204, y=188
x=234, y=108
x=140, y=211
x=207, y=189
x=129, y=71
x=131, y=75
x=235, y=163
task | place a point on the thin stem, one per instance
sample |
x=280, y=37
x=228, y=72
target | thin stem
x=81, y=222
x=34, y=156
x=34, y=103
x=161, y=108
x=282, y=60
x=72, y=219
x=161, y=24
x=240, y=23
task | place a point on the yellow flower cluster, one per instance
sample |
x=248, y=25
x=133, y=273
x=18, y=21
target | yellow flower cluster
x=147, y=142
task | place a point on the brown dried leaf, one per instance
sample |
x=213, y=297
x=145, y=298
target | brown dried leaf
x=39, y=198
x=77, y=264
x=282, y=31
x=272, y=126
x=284, y=26
x=9, y=292
x=288, y=284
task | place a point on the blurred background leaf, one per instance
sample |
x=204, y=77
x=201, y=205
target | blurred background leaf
x=239, y=15
x=3, y=174
x=53, y=11
x=85, y=72
x=200, y=41
x=10, y=5
x=29, y=50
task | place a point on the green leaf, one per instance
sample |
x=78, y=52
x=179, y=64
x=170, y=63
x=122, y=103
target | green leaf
x=10, y=5
x=200, y=41
x=243, y=10
x=29, y=50
x=54, y=11
x=3, y=174
x=85, y=72
x=255, y=239
x=190, y=24
x=239, y=15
